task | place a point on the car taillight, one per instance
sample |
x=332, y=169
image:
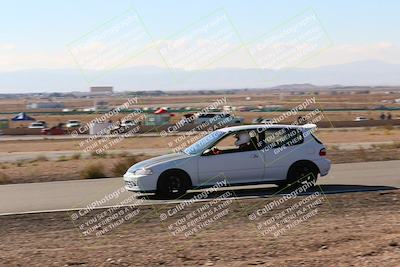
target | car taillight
x=322, y=152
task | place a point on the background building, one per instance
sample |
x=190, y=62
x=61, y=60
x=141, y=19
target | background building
x=101, y=90
x=46, y=105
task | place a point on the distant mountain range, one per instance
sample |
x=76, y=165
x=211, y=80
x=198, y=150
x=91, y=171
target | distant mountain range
x=369, y=73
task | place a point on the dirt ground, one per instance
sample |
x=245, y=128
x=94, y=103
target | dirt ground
x=41, y=170
x=359, y=229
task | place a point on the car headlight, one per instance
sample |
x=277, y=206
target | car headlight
x=143, y=172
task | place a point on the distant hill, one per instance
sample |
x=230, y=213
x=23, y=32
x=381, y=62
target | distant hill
x=293, y=87
x=155, y=78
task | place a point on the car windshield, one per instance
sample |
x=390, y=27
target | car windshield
x=204, y=143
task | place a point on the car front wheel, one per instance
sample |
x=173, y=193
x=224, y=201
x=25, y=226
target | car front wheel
x=172, y=184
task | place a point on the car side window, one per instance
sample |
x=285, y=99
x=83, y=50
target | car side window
x=275, y=137
x=294, y=137
x=278, y=137
x=228, y=144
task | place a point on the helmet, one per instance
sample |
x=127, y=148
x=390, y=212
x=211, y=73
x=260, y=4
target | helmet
x=242, y=138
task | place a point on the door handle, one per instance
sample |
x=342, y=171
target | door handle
x=254, y=156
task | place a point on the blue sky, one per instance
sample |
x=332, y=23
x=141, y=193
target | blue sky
x=35, y=34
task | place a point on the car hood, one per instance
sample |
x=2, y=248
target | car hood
x=158, y=160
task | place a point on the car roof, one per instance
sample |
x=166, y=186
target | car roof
x=271, y=126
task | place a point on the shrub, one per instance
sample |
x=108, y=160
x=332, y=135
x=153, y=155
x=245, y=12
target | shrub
x=93, y=171
x=4, y=178
x=38, y=159
x=334, y=148
x=20, y=163
x=94, y=154
x=76, y=156
x=62, y=158
x=41, y=158
x=123, y=165
x=124, y=154
x=388, y=127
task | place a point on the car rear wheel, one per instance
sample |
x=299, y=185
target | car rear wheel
x=172, y=184
x=300, y=174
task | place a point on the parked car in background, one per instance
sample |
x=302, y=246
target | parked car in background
x=213, y=118
x=266, y=121
x=73, y=124
x=128, y=123
x=360, y=119
x=37, y=125
x=56, y=130
x=257, y=120
x=262, y=121
x=251, y=154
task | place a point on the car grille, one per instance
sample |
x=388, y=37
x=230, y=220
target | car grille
x=130, y=183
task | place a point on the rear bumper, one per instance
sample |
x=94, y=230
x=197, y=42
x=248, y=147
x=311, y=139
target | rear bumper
x=324, y=166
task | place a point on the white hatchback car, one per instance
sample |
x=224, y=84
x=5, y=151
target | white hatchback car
x=37, y=125
x=275, y=154
x=73, y=124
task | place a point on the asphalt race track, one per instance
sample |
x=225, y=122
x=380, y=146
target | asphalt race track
x=70, y=195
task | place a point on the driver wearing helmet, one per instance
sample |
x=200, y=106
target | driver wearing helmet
x=243, y=140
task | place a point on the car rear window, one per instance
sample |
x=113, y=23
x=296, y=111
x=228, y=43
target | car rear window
x=316, y=138
x=294, y=137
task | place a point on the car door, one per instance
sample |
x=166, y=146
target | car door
x=281, y=148
x=237, y=167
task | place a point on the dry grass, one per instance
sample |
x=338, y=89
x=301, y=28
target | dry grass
x=375, y=153
x=60, y=169
x=331, y=136
x=122, y=166
x=4, y=178
x=124, y=154
x=93, y=171
x=76, y=156
x=62, y=158
x=19, y=163
x=388, y=127
x=41, y=158
x=394, y=145
x=3, y=166
x=96, y=155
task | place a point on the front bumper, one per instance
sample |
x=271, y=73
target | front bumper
x=143, y=184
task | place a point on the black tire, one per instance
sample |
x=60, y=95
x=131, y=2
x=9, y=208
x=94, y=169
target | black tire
x=173, y=184
x=302, y=173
